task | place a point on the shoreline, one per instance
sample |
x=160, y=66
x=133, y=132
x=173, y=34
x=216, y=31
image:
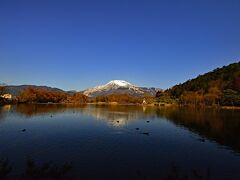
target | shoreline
x=132, y=104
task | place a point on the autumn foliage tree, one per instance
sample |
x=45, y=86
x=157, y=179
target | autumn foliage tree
x=218, y=87
x=77, y=98
x=164, y=97
x=119, y=98
x=39, y=95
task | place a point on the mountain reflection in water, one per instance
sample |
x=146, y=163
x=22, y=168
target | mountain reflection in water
x=90, y=132
x=220, y=125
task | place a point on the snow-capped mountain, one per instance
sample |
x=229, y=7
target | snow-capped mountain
x=120, y=87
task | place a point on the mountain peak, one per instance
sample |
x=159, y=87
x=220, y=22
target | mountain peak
x=119, y=87
x=120, y=83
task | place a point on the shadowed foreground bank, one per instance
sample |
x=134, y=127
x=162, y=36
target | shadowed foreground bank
x=50, y=171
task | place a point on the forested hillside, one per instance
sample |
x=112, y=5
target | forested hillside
x=218, y=87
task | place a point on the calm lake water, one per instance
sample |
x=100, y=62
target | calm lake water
x=119, y=142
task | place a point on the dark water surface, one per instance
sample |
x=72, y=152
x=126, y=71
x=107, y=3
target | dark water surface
x=119, y=142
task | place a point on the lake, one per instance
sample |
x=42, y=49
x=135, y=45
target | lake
x=118, y=142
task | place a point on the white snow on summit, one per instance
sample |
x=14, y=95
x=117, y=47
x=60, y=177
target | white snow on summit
x=120, y=83
x=117, y=86
x=111, y=86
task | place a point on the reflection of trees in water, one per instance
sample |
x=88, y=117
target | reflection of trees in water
x=3, y=110
x=222, y=126
x=112, y=114
x=37, y=109
x=1, y=115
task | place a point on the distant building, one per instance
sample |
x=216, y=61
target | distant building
x=7, y=96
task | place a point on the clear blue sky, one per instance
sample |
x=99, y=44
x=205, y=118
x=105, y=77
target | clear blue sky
x=79, y=44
